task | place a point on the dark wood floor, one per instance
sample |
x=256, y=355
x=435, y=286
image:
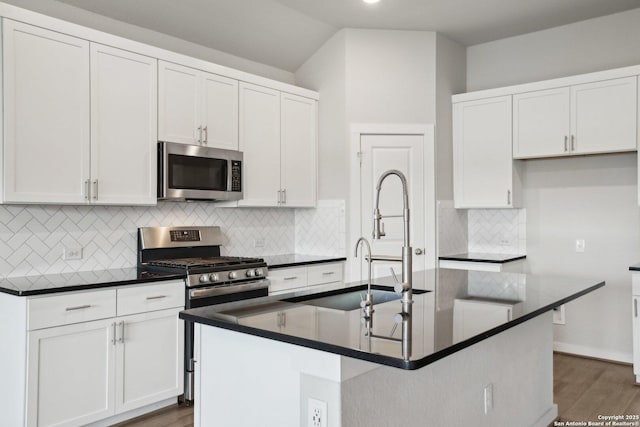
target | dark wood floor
x=583, y=389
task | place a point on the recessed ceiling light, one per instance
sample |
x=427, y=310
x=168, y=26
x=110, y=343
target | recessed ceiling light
x=371, y=1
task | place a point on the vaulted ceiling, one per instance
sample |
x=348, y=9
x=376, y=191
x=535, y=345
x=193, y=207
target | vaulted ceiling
x=284, y=33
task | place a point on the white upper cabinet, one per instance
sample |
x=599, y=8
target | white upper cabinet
x=598, y=117
x=260, y=143
x=604, y=116
x=123, y=127
x=278, y=136
x=80, y=120
x=482, y=159
x=298, y=151
x=46, y=115
x=196, y=107
x=541, y=123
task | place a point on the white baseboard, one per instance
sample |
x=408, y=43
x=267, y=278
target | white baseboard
x=548, y=417
x=582, y=350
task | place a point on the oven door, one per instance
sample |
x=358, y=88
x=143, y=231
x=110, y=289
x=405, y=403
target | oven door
x=192, y=172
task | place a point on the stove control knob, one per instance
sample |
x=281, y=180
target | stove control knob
x=259, y=272
x=232, y=275
x=250, y=273
x=214, y=277
x=203, y=278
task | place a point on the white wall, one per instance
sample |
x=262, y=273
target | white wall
x=593, y=45
x=92, y=20
x=592, y=198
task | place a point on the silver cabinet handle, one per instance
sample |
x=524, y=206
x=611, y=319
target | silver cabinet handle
x=418, y=251
x=206, y=135
x=284, y=196
x=566, y=147
x=121, y=339
x=635, y=307
x=156, y=297
x=328, y=273
x=279, y=196
x=573, y=143
x=95, y=189
x=508, y=197
x=199, y=134
x=113, y=340
x=86, y=189
x=291, y=278
x=79, y=307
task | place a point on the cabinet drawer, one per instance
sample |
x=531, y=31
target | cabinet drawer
x=287, y=278
x=140, y=299
x=68, y=308
x=324, y=273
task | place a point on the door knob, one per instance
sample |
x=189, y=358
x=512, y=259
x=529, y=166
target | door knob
x=418, y=251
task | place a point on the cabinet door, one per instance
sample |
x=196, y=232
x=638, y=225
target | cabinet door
x=260, y=143
x=150, y=358
x=220, y=111
x=123, y=127
x=604, y=116
x=179, y=104
x=46, y=100
x=541, y=123
x=298, y=150
x=483, y=169
x=70, y=374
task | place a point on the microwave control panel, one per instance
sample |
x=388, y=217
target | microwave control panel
x=236, y=175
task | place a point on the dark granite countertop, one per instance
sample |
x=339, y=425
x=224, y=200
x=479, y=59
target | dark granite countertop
x=436, y=326
x=483, y=257
x=294, y=260
x=635, y=267
x=82, y=280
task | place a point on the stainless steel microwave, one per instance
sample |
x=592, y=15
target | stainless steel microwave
x=194, y=172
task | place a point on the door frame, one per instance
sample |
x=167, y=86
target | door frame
x=427, y=131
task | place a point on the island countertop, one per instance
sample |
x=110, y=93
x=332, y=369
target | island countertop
x=458, y=309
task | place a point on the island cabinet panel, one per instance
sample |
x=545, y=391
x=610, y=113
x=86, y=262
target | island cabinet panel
x=197, y=107
x=46, y=115
x=483, y=165
x=635, y=312
x=598, y=117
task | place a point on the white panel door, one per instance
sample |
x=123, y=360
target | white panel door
x=70, y=374
x=482, y=160
x=220, y=111
x=298, y=150
x=541, y=123
x=405, y=153
x=260, y=143
x=604, y=116
x=123, y=127
x=46, y=129
x=150, y=358
x=179, y=104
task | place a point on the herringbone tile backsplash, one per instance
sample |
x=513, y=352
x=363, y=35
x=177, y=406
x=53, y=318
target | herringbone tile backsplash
x=32, y=238
x=321, y=231
x=498, y=230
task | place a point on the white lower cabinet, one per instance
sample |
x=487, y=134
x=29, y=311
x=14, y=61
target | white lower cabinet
x=88, y=371
x=291, y=278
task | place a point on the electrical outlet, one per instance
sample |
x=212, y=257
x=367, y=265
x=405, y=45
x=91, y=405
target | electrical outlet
x=558, y=315
x=580, y=245
x=71, y=253
x=259, y=242
x=317, y=413
x=505, y=241
x=488, y=398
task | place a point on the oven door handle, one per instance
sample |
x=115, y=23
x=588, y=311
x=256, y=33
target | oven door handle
x=212, y=291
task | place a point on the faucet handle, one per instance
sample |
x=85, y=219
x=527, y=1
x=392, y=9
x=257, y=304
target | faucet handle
x=401, y=287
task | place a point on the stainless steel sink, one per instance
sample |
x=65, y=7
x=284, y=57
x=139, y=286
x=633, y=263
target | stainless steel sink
x=351, y=300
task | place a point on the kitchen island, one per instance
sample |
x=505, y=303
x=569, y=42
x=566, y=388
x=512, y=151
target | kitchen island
x=480, y=354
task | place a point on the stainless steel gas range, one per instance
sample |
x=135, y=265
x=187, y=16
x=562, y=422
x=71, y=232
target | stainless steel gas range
x=210, y=278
